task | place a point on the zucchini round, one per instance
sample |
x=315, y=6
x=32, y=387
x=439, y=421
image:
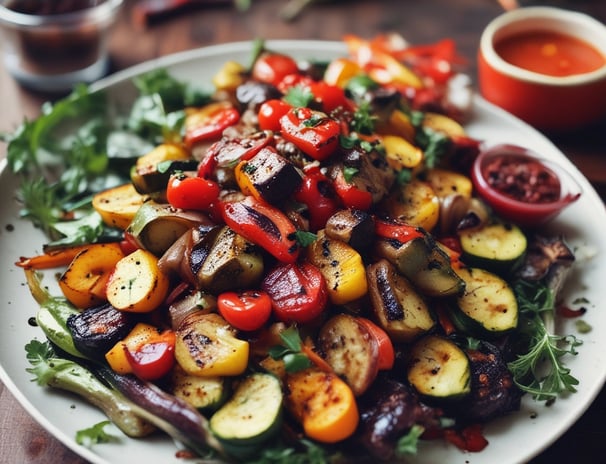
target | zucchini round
x=251, y=417
x=439, y=368
x=488, y=306
x=499, y=248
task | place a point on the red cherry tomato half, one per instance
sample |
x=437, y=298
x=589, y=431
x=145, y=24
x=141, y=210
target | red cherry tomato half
x=247, y=310
x=271, y=67
x=191, y=192
x=155, y=359
x=298, y=292
x=270, y=113
x=387, y=355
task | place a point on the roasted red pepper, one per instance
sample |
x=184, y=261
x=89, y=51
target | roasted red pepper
x=313, y=132
x=317, y=194
x=297, y=291
x=209, y=123
x=470, y=438
x=264, y=225
x=350, y=195
x=396, y=230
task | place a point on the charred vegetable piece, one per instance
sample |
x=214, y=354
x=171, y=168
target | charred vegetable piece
x=137, y=284
x=85, y=280
x=268, y=176
x=207, y=346
x=488, y=307
x=118, y=205
x=323, y=403
x=96, y=330
x=424, y=263
x=229, y=263
x=169, y=413
x=251, y=417
x=498, y=247
x=414, y=203
x=439, y=368
x=352, y=226
x=399, y=309
x=156, y=226
x=264, y=225
x=493, y=391
x=387, y=412
x=342, y=268
x=152, y=171
x=206, y=394
x=351, y=350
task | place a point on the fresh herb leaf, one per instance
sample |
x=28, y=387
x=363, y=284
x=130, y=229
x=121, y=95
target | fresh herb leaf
x=434, y=144
x=360, y=85
x=304, y=238
x=349, y=173
x=299, y=96
x=363, y=120
x=407, y=444
x=541, y=371
x=290, y=352
x=280, y=453
x=94, y=435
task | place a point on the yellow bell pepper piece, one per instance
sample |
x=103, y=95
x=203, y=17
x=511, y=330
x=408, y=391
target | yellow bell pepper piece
x=230, y=76
x=400, y=153
x=340, y=71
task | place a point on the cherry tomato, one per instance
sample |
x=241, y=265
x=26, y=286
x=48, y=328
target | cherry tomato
x=271, y=67
x=297, y=290
x=154, y=359
x=209, y=123
x=387, y=355
x=270, y=113
x=247, y=310
x=313, y=132
x=191, y=192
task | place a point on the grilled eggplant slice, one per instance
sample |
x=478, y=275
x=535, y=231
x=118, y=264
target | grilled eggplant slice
x=352, y=226
x=351, y=351
x=399, y=309
x=96, y=330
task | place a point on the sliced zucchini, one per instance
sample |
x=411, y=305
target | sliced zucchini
x=498, y=247
x=488, y=307
x=251, y=417
x=439, y=368
x=204, y=393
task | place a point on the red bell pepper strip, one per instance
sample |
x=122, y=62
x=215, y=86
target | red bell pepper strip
x=397, y=230
x=213, y=122
x=297, y=290
x=469, y=438
x=313, y=132
x=351, y=196
x=263, y=225
x=317, y=193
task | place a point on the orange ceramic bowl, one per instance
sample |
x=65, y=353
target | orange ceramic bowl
x=544, y=101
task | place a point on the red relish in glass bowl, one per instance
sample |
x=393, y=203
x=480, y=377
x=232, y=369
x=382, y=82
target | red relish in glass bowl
x=521, y=187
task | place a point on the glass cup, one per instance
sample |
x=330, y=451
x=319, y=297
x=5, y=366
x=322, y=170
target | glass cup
x=51, y=46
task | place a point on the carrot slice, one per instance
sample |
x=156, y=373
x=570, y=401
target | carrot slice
x=52, y=259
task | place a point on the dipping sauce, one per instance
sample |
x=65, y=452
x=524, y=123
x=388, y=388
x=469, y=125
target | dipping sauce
x=522, y=179
x=550, y=53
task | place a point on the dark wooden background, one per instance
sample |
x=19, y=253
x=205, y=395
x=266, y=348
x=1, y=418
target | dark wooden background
x=22, y=440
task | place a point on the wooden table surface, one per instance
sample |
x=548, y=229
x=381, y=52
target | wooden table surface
x=22, y=440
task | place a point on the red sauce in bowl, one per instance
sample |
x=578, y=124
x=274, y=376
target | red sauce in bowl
x=550, y=53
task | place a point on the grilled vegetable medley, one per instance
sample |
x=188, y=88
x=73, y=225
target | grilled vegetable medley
x=294, y=263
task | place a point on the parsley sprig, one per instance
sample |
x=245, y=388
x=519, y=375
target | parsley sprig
x=541, y=370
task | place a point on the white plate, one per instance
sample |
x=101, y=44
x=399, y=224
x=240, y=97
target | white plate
x=516, y=438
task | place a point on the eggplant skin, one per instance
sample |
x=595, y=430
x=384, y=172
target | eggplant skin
x=96, y=330
x=387, y=412
x=493, y=391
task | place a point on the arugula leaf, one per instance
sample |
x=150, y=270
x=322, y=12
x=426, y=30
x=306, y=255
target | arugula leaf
x=541, y=370
x=95, y=434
